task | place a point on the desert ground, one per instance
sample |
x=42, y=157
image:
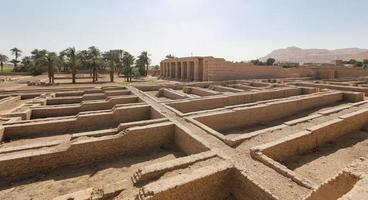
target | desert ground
x=156, y=138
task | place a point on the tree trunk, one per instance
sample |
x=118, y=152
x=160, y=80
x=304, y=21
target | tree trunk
x=94, y=75
x=52, y=75
x=112, y=69
x=49, y=73
x=112, y=75
x=73, y=74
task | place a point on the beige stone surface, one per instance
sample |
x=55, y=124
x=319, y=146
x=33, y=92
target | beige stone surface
x=270, y=139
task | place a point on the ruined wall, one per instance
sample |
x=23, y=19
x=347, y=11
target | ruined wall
x=187, y=143
x=136, y=141
x=317, y=135
x=83, y=122
x=215, y=69
x=338, y=72
x=219, y=69
x=348, y=72
x=205, y=186
x=222, y=101
x=335, y=187
x=247, y=116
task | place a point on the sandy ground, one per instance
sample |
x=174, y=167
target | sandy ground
x=234, y=133
x=71, y=179
x=20, y=82
x=324, y=162
x=254, y=168
x=318, y=165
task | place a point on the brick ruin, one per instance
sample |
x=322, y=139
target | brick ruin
x=218, y=69
x=286, y=138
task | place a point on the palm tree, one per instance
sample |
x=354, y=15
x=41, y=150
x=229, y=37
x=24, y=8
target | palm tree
x=146, y=60
x=63, y=62
x=83, y=58
x=43, y=58
x=38, y=57
x=139, y=63
x=16, y=52
x=113, y=57
x=94, y=55
x=128, y=61
x=52, y=60
x=143, y=63
x=72, y=56
x=3, y=60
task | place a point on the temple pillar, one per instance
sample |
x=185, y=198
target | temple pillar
x=183, y=71
x=173, y=70
x=178, y=71
x=196, y=71
x=190, y=74
x=166, y=69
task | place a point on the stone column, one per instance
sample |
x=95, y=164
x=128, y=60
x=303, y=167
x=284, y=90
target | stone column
x=183, y=72
x=205, y=71
x=173, y=69
x=169, y=70
x=161, y=69
x=166, y=69
x=178, y=71
x=196, y=71
x=190, y=73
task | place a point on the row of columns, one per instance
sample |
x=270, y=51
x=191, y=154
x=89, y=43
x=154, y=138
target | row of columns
x=180, y=70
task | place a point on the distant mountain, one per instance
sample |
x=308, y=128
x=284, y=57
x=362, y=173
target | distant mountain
x=297, y=55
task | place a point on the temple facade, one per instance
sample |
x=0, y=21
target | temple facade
x=218, y=69
x=183, y=69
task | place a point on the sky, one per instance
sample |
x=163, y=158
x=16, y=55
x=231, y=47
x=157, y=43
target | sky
x=232, y=29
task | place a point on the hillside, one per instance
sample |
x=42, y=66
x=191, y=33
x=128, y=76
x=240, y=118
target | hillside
x=295, y=54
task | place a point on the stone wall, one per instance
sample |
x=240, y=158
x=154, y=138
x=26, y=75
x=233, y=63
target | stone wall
x=215, y=69
x=220, y=69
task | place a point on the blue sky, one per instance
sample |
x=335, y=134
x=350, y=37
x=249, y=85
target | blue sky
x=232, y=29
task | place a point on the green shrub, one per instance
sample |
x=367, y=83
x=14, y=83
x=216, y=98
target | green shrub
x=136, y=72
x=35, y=70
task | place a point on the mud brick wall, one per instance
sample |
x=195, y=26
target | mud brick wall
x=201, y=104
x=335, y=187
x=222, y=101
x=81, y=122
x=335, y=87
x=187, y=143
x=242, y=117
x=243, y=188
x=9, y=102
x=136, y=141
x=199, y=91
x=205, y=187
x=54, y=111
x=219, y=69
x=171, y=94
x=316, y=135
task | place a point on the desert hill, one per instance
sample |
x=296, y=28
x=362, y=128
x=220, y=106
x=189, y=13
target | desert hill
x=295, y=54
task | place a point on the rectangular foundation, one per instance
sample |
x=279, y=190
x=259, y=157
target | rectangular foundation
x=186, y=107
x=242, y=123
x=316, y=154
